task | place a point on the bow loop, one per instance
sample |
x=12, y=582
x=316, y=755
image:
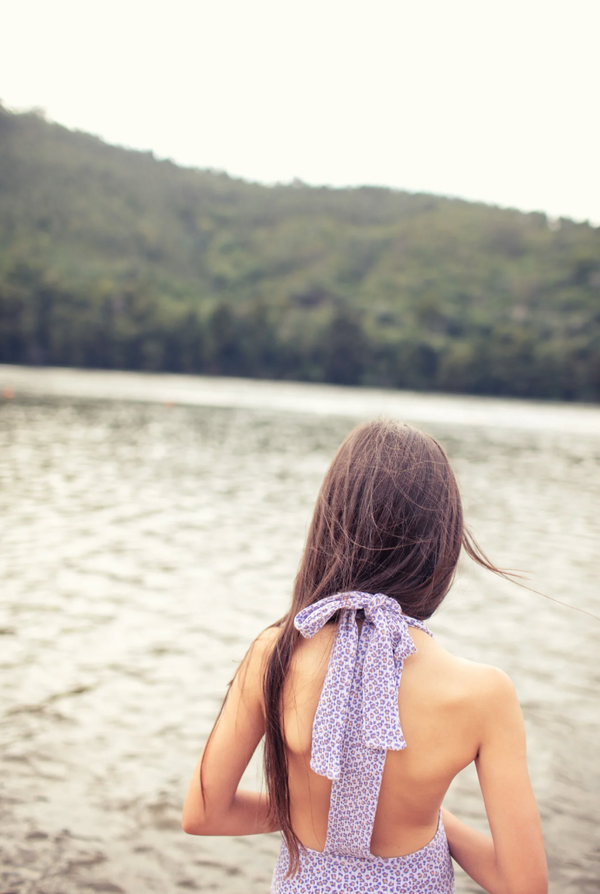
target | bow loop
x=387, y=644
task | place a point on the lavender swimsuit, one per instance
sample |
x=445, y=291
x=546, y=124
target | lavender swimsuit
x=356, y=722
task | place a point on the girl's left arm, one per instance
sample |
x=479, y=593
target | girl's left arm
x=215, y=806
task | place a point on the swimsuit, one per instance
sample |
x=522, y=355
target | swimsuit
x=356, y=722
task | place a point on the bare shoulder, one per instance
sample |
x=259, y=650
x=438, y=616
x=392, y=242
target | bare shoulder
x=483, y=685
x=489, y=698
x=265, y=641
x=249, y=675
x=486, y=679
x=259, y=652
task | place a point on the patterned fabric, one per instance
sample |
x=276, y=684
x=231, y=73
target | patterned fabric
x=355, y=724
x=428, y=871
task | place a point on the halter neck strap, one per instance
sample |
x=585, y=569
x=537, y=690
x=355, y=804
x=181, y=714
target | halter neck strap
x=388, y=643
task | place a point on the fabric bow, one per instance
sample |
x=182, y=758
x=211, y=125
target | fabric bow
x=388, y=643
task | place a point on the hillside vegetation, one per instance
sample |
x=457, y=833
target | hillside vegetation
x=110, y=258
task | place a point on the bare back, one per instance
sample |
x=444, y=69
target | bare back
x=442, y=701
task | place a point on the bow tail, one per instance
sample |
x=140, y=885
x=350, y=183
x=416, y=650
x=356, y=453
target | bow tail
x=381, y=679
x=332, y=712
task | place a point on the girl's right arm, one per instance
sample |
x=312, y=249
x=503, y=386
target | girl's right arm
x=512, y=861
x=214, y=805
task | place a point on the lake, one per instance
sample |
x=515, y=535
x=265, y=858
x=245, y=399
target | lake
x=151, y=526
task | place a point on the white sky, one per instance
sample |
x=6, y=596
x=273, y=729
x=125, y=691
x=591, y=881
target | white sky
x=495, y=100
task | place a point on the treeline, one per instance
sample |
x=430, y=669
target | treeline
x=111, y=259
x=43, y=324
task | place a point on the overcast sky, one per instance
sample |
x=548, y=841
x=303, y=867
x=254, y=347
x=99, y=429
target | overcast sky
x=488, y=100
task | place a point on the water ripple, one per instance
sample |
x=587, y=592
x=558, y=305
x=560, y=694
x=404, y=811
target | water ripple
x=142, y=547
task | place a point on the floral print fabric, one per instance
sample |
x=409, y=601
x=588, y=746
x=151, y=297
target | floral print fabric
x=428, y=871
x=356, y=722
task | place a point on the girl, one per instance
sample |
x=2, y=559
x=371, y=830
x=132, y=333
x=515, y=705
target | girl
x=356, y=764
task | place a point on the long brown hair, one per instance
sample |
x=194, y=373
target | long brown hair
x=388, y=519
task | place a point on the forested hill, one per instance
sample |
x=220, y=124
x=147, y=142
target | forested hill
x=111, y=258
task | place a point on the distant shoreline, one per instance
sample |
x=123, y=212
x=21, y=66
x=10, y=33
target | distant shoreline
x=299, y=397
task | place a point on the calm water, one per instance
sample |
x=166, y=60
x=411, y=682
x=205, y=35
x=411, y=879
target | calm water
x=151, y=527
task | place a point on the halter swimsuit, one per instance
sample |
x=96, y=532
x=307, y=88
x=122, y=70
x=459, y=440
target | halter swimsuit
x=356, y=722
